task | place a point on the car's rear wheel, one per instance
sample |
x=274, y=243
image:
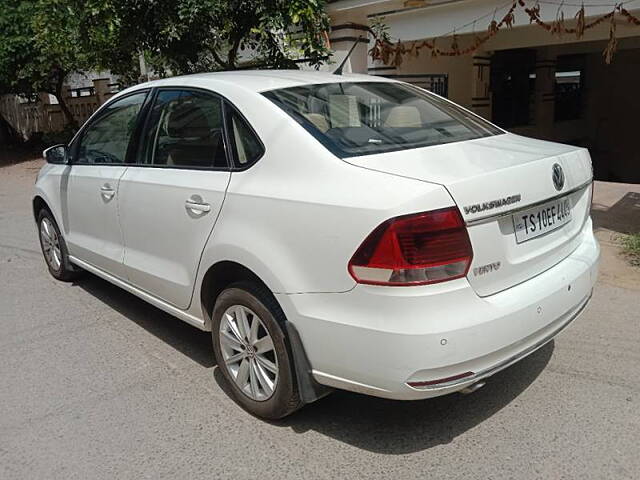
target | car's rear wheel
x=54, y=248
x=252, y=351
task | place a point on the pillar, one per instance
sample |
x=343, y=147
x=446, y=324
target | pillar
x=101, y=88
x=342, y=38
x=544, y=96
x=480, y=83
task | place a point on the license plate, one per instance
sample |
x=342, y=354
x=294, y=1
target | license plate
x=545, y=218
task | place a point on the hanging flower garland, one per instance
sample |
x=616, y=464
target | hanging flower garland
x=630, y=18
x=384, y=50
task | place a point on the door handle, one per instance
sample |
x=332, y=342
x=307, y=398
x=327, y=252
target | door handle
x=197, y=205
x=107, y=192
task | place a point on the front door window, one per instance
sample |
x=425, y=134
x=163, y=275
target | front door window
x=106, y=140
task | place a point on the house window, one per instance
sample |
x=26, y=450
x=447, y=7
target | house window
x=513, y=86
x=569, y=89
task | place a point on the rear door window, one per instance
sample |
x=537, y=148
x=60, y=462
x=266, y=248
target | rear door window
x=185, y=130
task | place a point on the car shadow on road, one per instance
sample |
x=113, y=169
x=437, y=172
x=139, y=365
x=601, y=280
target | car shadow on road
x=622, y=217
x=395, y=427
x=373, y=424
x=188, y=340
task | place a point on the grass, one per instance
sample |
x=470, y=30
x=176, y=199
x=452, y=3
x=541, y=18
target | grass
x=631, y=246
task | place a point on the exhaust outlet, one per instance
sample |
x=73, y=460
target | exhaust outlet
x=473, y=387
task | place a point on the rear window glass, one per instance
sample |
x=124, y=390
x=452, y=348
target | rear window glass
x=364, y=118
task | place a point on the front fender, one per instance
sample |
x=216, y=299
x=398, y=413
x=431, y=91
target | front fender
x=50, y=188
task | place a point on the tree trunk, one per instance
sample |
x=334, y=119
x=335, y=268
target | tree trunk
x=70, y=121
x=68, y=116
x=232, y=56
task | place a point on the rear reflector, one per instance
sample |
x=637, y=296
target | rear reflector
x=431, y=383
x=416, y=249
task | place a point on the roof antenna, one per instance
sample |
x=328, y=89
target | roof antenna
x=338, y=71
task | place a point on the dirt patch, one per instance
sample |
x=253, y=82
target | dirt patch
x=616, y=212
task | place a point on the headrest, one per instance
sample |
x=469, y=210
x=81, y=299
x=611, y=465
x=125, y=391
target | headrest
x=344, y=111
x=318, y=120
x=187, y=120
x=403, y=116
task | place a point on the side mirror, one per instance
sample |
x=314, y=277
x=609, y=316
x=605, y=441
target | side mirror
x=56, y=154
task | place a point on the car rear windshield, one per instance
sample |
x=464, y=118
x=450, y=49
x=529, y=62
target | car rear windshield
x=364, y=118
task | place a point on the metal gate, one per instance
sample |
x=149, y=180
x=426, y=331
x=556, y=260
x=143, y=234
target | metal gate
x=437, y=83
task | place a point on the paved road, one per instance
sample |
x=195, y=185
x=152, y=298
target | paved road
x=97, y=384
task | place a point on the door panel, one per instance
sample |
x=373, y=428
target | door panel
x=166, y=217
x=94, y=234
x=170, y=200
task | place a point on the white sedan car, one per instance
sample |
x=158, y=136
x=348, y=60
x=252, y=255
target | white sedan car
x=348, y=232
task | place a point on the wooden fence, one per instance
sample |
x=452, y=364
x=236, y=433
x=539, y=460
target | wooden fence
x=44, y=115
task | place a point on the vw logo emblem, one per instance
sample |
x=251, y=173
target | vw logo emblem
x=558, y=177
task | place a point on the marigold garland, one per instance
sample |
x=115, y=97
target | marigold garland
x=384, y=50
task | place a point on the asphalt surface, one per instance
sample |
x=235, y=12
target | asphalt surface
x=97, y=384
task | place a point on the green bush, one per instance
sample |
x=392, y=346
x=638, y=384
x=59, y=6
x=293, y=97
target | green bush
x=55, y=138
x=631, y=245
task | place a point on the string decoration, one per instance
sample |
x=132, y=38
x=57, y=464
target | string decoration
x=613, y=41
x=455, y=48
x=414, y=51
x=509, y=19
x=580, y=22
x=557, y=26
x=434, y=50
x=384, y=50
x=534, y=15
x=399, y=52
x=630, y=18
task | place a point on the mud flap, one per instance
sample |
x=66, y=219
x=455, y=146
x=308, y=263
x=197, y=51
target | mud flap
x=309, y=389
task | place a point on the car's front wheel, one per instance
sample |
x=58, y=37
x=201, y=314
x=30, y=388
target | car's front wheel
x=252, y=352
x=54, y=248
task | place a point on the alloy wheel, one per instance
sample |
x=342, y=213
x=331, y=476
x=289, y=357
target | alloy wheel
x=248, y=352
x=50, y=244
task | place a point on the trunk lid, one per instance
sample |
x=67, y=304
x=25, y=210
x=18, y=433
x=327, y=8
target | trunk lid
x=494, y=181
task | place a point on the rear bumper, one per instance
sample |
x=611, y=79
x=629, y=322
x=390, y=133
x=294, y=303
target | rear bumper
x=544, y=336
x=375, y=340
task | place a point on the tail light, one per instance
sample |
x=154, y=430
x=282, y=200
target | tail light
x=416, y=249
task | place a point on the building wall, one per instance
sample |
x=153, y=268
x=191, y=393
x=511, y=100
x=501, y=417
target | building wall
x=612, y=115
x=458, y=69
x=608, y=125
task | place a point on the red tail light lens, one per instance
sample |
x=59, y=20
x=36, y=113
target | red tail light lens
x=417, y=249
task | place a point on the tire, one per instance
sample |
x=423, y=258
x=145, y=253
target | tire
x=234, y=347
x=54, y=248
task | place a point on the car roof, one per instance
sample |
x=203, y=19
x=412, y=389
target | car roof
x=260, y=80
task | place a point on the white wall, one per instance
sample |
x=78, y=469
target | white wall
x=437, y=20
x=459, y=70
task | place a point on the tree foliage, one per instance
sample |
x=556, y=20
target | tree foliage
x=43, y=41
x=186, y=36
